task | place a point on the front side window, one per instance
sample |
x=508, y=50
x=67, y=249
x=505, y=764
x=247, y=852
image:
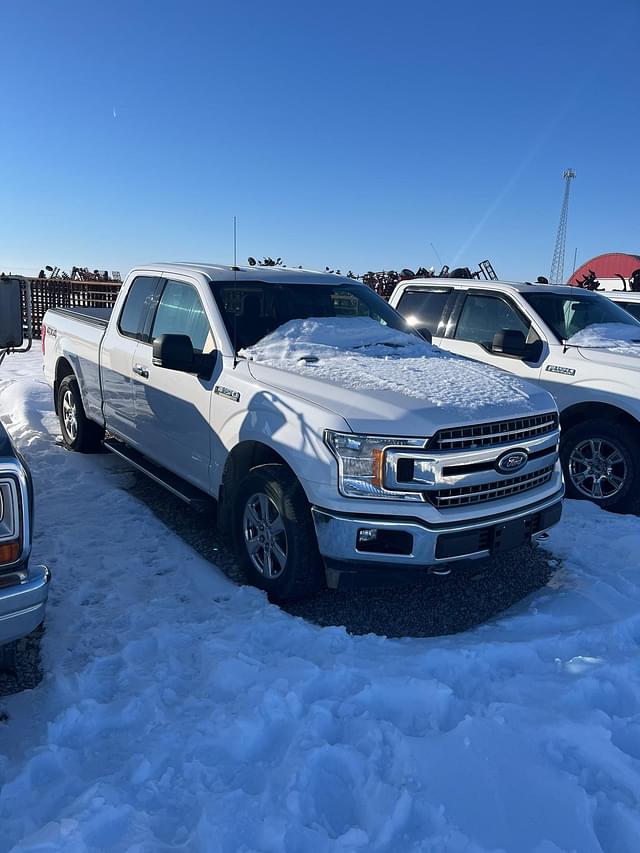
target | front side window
x=134, y=312
x=181, y=312
x=482, y=317
x=253, y=309
x=568, y=315
x=423, y=309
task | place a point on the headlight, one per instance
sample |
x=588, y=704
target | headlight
x=361, y=463
x=9, y=522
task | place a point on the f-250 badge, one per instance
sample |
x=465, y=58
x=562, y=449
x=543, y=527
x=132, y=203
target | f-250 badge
x=227, y=392
x=554, y=368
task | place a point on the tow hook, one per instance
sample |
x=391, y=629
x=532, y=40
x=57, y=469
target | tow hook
x=442, y=573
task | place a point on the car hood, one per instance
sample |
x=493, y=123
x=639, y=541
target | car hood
x=382, y=411
x=6, y=447
x=628, y=360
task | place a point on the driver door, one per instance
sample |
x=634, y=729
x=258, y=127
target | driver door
x=172, y=407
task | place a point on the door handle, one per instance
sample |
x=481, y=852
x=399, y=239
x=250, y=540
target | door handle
x=141, y=371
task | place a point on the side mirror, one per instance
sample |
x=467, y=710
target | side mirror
x=424, y=333
x=175, y=352
x=11, y=332
x=510, y=342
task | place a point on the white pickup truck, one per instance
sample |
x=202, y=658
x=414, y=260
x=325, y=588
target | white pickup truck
x=627, y=299
x=328, y=436
x=577, y=344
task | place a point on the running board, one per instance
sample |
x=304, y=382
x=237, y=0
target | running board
x=192, y=496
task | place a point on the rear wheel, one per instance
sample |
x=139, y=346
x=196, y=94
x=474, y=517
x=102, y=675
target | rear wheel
x=78, y=432
x=601, y=461
x=274, y=535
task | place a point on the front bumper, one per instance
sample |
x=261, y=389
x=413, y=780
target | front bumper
x=411, y=543
x=22, y=605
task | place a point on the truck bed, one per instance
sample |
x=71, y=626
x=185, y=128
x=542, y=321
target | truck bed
x=97, y=316
x=76, y=335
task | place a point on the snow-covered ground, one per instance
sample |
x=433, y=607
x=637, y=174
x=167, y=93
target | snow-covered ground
x=179, y=711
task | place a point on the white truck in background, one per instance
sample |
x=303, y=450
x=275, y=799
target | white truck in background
x=627, y=299
x=321, y=442
x=578, y=344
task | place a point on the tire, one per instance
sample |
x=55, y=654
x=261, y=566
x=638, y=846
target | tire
x=271, y=496
x=78, y=432
x=601, y=463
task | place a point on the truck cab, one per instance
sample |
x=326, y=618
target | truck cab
x=577, y=344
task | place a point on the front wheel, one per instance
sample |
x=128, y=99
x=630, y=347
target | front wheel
x=274, y=535
x=601, y=462
x=78, y=432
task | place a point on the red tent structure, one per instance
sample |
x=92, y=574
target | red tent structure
x=607, y=268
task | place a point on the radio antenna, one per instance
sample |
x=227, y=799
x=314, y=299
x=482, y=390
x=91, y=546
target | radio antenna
x=236, y=305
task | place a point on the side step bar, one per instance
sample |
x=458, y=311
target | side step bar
x=192, y=496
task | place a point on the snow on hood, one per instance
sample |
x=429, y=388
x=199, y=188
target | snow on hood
x=384, y=359
x=621, y=338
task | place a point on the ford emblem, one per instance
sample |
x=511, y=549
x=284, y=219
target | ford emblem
x=512, y=461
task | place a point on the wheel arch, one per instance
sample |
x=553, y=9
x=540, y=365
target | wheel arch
x=63, y=369
x=244, y=457
x=581, y=412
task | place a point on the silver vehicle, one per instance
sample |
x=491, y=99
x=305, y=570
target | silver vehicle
x=23, y=588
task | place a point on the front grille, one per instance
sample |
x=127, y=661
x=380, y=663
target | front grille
x=464, y=495
x=499, y=432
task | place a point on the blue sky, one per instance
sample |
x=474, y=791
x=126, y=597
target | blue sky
x=352, y=134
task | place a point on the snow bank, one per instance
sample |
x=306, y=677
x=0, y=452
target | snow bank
x=621, y=338
x=384, y=359
x=181, y=711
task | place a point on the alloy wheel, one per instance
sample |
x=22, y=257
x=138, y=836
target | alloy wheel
x=70, y=415
x=597, y=468
x=265, y=536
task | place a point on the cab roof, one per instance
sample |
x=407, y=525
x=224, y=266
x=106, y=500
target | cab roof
x=503, y=286
x=222, y=272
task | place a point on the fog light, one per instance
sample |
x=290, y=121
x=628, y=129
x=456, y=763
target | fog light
x=367, y=534
x=373, y=540
x=9, y=552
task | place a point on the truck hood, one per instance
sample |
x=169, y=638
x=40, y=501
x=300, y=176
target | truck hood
x=619, y=360
x=611, y=344
x=387, y=381
x=6, y=446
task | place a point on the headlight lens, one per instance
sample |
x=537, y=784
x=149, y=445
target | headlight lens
x=361, y=463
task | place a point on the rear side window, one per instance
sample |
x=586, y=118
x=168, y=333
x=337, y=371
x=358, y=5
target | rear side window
x=137, y=304
x=424, y=309
x=180, y=312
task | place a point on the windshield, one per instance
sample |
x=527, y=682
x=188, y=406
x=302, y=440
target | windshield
x=568, y=315
x=253, y=309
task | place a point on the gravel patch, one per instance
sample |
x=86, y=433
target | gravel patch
x=27, y=672
x=430, y=606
